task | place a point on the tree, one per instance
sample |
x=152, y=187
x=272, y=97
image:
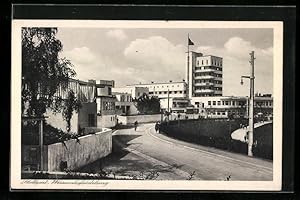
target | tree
x=42, y=71
x=147, y=105
x=70, y=104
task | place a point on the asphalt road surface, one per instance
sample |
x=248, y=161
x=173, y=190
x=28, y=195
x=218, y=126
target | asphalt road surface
x=144, y=153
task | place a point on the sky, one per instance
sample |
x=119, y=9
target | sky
x=132, y=56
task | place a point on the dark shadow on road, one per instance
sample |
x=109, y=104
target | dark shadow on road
x=132, y=165
x=123, y=139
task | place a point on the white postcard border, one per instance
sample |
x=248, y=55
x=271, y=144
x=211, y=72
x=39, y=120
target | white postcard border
x=15, y=153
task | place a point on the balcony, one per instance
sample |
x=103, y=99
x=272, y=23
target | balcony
x=205, y=77
x=204, y=91
x=204, y=84
x=204, y=70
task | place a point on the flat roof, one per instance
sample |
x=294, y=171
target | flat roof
x=156, y=83
x=232, y=97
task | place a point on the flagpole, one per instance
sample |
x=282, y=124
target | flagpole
x=188, y=68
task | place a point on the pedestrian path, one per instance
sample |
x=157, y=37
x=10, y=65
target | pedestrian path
x=240, y=134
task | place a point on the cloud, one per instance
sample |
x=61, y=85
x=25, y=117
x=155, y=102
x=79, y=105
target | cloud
x=81, y=55
x=235, y=54
x=87, y=63
x=93, y=65
x=157, y=57
x=204, y=48
x=117, y=34
x=239, y=47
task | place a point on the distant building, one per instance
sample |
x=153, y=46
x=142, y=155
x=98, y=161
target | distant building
x=175, y=104
x=125, y=104
x=205, y=75
x=223, y=106
x=85, y=117
x=134, y=90
x=106, y=110
x=175, y=89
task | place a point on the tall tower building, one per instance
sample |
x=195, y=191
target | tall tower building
x=205, y=75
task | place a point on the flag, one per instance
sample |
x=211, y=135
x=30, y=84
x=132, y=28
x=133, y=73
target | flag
x=190, y=42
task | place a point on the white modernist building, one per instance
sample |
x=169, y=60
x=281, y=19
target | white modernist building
x=223, y=106
x=161, y=90
x=134, y=90
x=106, y=110
x=125, y=104
x=204, y=75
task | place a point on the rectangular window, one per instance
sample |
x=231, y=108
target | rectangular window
x=226, y=103
x=214, y=103
x=219, y=103
x=91, y=120
x=209, y=103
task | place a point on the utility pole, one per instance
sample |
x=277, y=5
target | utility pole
x=251, y=104
x=168, y=104
x=188, y=68
x=41, y=144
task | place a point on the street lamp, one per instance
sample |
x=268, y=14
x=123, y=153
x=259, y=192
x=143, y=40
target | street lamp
x=251, y=104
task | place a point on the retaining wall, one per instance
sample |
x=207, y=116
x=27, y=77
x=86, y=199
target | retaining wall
x=217, y=133
x=77, y=154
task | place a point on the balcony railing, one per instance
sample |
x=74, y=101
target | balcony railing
x=204, y=91
x=205, y=77
x=204, y=84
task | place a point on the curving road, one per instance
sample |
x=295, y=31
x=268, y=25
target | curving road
x=144, y=151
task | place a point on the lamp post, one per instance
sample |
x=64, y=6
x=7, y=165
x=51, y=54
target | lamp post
x=251, y=104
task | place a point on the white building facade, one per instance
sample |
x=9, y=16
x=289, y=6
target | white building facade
x=162, y=90
x=125, y=104
x=223, y=106
x=205, y=75
x=134, y=90
x=106, y=110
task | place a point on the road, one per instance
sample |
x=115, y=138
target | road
x=145, y=153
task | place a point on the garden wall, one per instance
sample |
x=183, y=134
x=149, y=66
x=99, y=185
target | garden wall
x=126, y=120
x=76, y=154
